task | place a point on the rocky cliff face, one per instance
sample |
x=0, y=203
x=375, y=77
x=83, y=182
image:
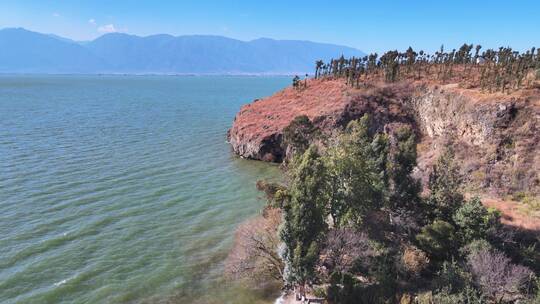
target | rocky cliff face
x=257, y=129
x=495, y=136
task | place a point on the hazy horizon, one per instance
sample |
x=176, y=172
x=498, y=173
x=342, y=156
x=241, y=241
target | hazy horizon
x=33, y=52
x=55, y=35
x=371, y=27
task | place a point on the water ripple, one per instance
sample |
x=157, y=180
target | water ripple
x=120, y=189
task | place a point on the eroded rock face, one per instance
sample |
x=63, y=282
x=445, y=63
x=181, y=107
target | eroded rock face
x=495, y=136
x=442, y=111
x=257, y=130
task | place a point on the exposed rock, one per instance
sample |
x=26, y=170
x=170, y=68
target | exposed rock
x=258, y=127
x=495, y=136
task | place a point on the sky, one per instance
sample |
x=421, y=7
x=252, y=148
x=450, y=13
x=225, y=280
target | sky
x=371, y=26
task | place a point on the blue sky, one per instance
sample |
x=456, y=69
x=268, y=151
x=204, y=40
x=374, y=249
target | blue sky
x=366, y=25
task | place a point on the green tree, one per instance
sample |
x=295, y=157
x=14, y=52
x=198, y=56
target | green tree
x=473, y=220
x=404, y=189
x=304, y=218
x=297, y=135
x=444, y=185
x=437, y=239
x=355, y=174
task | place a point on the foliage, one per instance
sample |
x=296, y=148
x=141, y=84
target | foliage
x=298, y=135
x=495, y=70
x=530, y=203
x=413, y=261
x=275, y=193
x=319, y=292
x=450, y=277
x=473, y=220
x=453, y=284
x=345, y=289
x=444, y=185
x=468, y=295
x=356, y=184
x=385, y=274
x=344, y=247
x=475, y=246
x=355, y=211
x=304, y=222
x=404, y=189
x=437, y=239
x=296, y=82
x=333, y=288
x=497, y=277
x=255, y=256
x=341, y=289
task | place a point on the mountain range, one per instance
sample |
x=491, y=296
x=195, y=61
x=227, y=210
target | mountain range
x=23, y=51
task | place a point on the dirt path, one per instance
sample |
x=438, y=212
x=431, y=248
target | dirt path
x=513, y=214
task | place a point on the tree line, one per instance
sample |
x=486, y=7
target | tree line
x=502, y=69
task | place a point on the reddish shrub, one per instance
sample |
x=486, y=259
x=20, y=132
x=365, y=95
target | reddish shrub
x=497, y=277
x=414, y=261
x=344, y=247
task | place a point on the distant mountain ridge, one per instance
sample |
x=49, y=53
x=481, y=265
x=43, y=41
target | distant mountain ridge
x=24, y=51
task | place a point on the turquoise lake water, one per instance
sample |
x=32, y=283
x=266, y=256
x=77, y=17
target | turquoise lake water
x=122, y=189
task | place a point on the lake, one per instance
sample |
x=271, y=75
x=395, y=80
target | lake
x=122, y=189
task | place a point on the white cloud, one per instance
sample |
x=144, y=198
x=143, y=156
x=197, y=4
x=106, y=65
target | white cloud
x=92, y=21
x=56, y=14
x=108, y=28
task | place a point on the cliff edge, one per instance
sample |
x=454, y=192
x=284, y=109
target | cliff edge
x=495, y=135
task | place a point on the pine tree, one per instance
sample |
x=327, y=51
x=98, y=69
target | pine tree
x=404, y=189
x=444, y=185
x=304, y=218
x=356, y=174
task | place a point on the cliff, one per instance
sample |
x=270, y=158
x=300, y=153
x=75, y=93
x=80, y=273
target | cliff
x=495, y=136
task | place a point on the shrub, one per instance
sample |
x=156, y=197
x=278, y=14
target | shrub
x=497, y=277
x=298, y=135
x=254, y=256
x=444, y=185
x=342, y=288
x=494, y=215
x=424, y=298
x=344, y=247
x=437, y=239
x=319, y=292
x=333, y=288
x=404, y=221
x=414, y=261
x=385, y=274
x=467, y=296
x=275, y=193
x=530, y=255
x=450, y=278
x=475, y=246
x=473, y=220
